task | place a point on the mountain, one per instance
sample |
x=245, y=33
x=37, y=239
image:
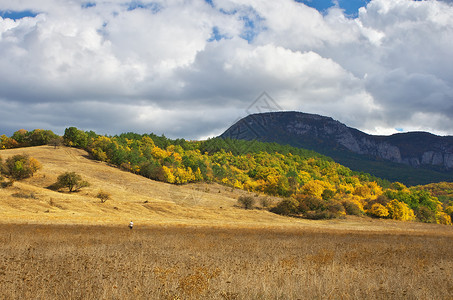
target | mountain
x=412, y=158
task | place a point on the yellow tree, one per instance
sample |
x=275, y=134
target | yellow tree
x=378, y=210
x=168, y=175
x=400, y=211
x=443, y=218
x=316, y=188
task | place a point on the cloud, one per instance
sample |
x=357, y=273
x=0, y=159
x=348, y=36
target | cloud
x=191, y=68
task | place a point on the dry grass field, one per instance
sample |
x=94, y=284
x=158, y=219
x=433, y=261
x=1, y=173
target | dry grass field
x=187, y=262
x=192, y=242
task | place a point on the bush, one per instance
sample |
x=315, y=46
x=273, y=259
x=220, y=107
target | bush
x=5, y=184
x=286, y=207
x=20, y=166
x=400, y=211
x=265, y=202
x=104, y=196
x=378, y=210
x=72, y=181
x=246, y=202
x=425, y=215
x=310, y=203
x=443, y=218
x=320, y=215
x=449, y=210
x=352, y=208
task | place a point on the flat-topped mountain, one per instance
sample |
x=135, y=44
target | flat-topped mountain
x=349, y=146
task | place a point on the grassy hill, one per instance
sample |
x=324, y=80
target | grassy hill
x=145, y=201
x=133, y=197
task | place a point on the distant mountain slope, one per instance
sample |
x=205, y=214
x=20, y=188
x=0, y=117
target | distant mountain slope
x=413, y=158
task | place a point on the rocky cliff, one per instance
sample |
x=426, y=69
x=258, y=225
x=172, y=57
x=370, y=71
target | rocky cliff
x=327, y=136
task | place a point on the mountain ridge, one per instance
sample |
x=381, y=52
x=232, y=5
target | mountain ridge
x=418, y=150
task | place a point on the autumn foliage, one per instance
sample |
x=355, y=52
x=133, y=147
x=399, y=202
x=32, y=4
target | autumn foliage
x=312, y=185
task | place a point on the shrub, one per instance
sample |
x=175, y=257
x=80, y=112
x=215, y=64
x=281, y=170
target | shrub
x=72, y=181
x=352, y=208
x=310, y=203
x=265, y=202
x=104, y=196
x=449, y=210
x=246, y=202
x=443, y=218
x=400, y=211
x=320, y=215
x=5, y=184
x=426, y=215
x=378, y=210
x=286, y=207
x=20, y=166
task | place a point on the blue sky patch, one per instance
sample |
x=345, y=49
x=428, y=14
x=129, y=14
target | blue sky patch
x=16, y=15
x=153, y=7
x=216, y=35
x=88, y=4
x=209, y=2
x=351, y=7
x=252, y=26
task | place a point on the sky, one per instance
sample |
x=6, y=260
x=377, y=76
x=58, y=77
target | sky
x=192, y=68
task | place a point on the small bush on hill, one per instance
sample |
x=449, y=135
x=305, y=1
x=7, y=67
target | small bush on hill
x=246, y=202
x=265, y=202
x=104, y=196
x=286, y=207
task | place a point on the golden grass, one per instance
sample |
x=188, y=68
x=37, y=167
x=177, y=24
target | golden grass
x=192, y=242
x=187, y=262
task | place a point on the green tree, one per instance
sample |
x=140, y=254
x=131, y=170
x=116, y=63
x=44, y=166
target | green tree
x=20, y=136
x=75, y=137
x=40, y=137
x=72, y=181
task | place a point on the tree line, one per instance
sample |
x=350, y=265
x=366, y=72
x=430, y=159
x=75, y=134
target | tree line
x=311, y=185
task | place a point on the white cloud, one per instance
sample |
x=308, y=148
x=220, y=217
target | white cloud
x=189, y=69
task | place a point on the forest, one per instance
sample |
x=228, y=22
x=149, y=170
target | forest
x=310, y=185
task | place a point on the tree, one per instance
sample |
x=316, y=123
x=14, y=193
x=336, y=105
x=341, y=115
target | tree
x=75, y=137
x=443, y=218
x=104, y=196
x=378, y=210
x=56, y=141
x=40, y=137
x=20, y=136
x=72, y=181
x=21, y=166
x=400, y=211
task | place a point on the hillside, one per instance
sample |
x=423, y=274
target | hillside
x=146, y=201
x=132, y=196
x=411, y=158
